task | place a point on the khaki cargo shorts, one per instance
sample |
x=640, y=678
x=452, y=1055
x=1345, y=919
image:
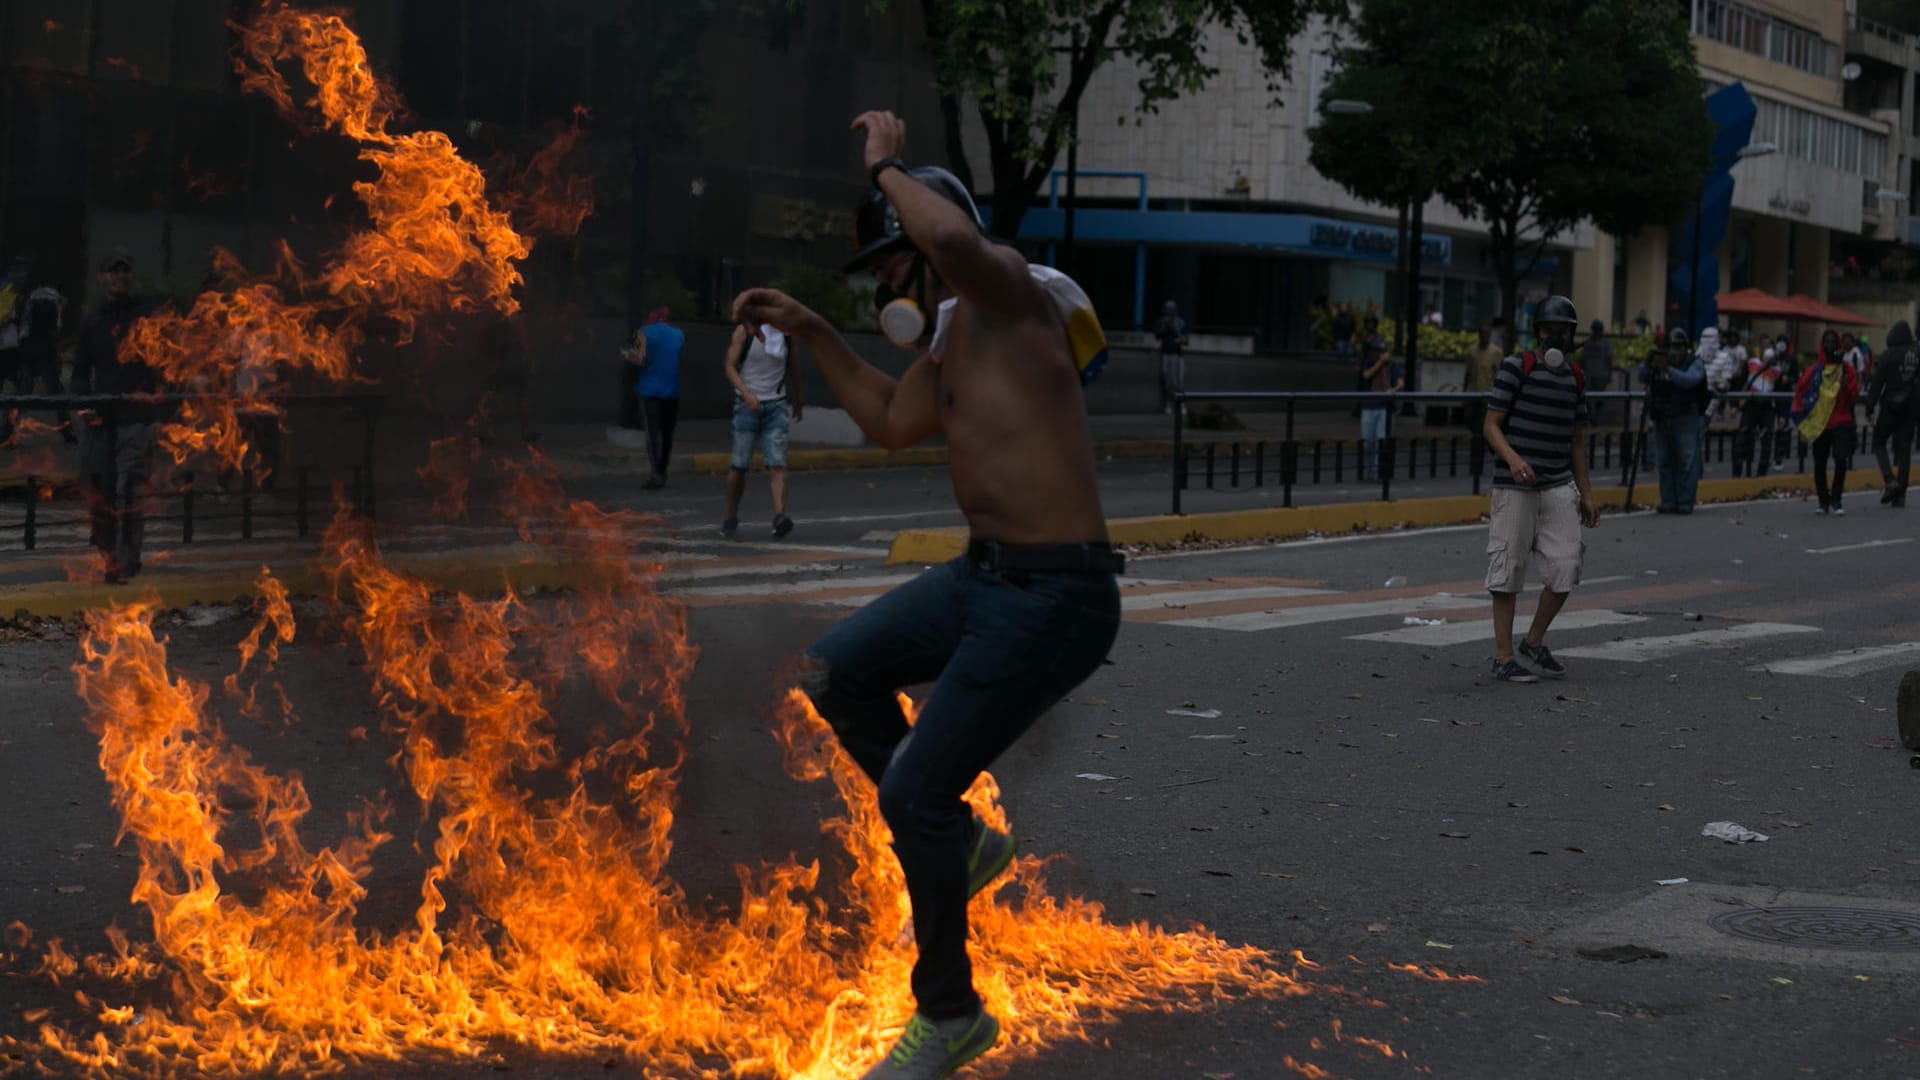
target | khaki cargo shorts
x=1527, y=523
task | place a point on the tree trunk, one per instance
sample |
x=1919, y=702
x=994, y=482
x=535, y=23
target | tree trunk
x=1503, y=249
x=951, y=118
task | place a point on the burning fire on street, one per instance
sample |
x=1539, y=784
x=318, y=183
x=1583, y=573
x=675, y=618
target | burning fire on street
x=546, y=916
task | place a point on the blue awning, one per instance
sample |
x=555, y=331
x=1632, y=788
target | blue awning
x=1304, y=234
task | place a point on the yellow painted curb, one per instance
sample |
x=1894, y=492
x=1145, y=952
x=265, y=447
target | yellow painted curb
x=520, y=570
x=869, y=457
x=925, y=546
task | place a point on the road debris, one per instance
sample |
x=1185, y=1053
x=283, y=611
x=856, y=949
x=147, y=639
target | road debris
x=1732, y=833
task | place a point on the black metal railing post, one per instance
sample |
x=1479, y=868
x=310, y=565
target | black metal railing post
x=1289, y=460
x=371, y=411
x=29, y=533
x=187, y=500
x=1179, y=450
x=246, y=502
x=300, y=501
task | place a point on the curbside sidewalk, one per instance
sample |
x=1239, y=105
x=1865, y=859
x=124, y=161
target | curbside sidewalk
x=926, y=546
x=520, y=568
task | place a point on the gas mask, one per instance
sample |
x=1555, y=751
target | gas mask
x=1556, y=337
x=903, y=319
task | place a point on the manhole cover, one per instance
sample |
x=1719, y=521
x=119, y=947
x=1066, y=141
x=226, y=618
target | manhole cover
x=1823, y=927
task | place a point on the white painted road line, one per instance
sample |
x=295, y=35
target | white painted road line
x=720, y=542
x=1308, y=615
x=1473, y=630
x=1640, y=650
x=705, y=573
x=796, y=590
x=1860, y=547
x=1165, y=600
x=1846, y=663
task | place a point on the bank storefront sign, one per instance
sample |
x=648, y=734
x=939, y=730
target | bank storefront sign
x=1305, y=234
x=1367, y=242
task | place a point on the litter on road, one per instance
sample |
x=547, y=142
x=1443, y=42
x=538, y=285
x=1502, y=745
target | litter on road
x=1732, y=833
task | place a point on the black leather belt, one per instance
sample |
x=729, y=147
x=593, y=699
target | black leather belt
x=1097, y=558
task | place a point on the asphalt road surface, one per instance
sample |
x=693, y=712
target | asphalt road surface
x=1365, y=794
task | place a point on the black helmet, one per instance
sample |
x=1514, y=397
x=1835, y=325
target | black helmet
x=1557, y=309
x=876, y=227
x=1677, y=338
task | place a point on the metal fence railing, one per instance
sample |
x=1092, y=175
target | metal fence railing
x=1291, y=462
x=203, y=498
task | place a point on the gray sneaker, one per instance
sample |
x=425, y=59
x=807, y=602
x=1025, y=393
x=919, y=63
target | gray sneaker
x=1540, y=657
x=1511, y=671
x=988, y=855
x=932, y=1049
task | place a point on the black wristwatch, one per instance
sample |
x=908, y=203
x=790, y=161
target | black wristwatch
x=883, y=165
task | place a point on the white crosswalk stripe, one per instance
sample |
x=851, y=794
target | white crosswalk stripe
x=797, y=591
x=1641, y=650
x=1156, y=601
x=1308, y=615
x=1474, y=630
x=1847, y=662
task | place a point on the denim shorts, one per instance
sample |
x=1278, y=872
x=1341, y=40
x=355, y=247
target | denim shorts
x=770, y=426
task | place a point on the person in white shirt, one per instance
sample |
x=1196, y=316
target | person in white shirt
x=1718, y=363
x=766, y=389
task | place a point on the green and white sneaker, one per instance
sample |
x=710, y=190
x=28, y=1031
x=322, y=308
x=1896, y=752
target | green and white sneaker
x=989, y=853
x=933, y=1049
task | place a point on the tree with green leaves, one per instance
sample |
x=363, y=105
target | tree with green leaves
x=1023, y=66
x=1529, y=116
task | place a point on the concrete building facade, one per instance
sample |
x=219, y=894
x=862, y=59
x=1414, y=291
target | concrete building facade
x=1836, y=99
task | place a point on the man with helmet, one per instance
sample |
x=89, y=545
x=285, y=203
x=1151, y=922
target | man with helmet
x=1673, y=377
x=1823, y=408
x=1002, y=632
x=1536, y=425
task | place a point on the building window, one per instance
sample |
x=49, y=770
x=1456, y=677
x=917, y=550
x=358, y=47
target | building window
x=1821, y=139
x=1761, y=34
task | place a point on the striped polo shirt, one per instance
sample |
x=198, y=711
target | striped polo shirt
x=1541, y=417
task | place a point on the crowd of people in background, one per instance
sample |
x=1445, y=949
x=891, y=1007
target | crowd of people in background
x=1692, y=389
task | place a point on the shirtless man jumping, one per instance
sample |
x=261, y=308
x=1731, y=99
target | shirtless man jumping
x=1003, y=632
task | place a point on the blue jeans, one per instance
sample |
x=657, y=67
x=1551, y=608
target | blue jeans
x=1373, y=428
x=1676, y=456
x=770, y=426
x=1000, y=647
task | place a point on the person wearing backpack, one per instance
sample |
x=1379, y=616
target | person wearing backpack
x=1893, y=406
x=1677, y=399
x=1536, y=424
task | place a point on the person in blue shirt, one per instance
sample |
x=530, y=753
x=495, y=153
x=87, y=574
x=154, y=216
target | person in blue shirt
x=1673, y=376
x=657, y=348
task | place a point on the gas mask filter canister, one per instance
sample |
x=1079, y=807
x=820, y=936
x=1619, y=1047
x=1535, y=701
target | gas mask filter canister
x=903, y=322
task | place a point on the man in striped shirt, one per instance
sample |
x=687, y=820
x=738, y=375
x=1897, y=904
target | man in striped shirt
x=1536, y=426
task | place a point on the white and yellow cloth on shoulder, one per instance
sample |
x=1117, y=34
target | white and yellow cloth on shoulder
x=1084, y=336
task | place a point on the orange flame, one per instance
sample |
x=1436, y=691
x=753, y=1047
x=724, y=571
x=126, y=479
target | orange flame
x=1433, y=974
x=433, y=243
x=34, y=449
x=566, y=934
